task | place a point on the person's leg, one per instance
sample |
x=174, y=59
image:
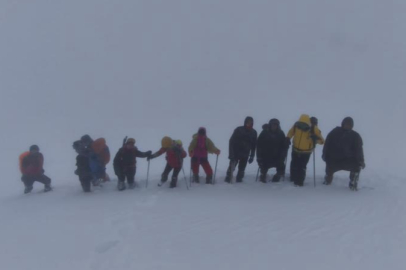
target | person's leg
x=175, y=177
x=303, y=161
x=195, y=169
x=280, y=170
x=241, y=169
x=328, y=179
x=165, y=174
x=294, y=167
x=28, y=183
x=208, y=170
x=130, y=174
x=85, y=181
x=264, y=170
x=230, y=170
x=44, y=180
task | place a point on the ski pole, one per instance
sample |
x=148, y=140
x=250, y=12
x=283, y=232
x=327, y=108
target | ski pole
x=256, y=179
x=146, y=183
x=184, y=175
x=190, y=173
x=215, y=170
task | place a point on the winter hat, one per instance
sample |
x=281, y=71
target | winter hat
x=249, y=119
x=347, y=121
x=166, y=142
x=202, y=131
x=130, y=141
x=179, y=142
x=86, y=139
x=314, y=121
x=34, y=148
x=274, y=121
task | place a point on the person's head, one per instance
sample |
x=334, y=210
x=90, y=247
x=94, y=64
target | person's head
x=78, y=146
x=249, y=122
x=130, y=141
x=34, y=148
x=347, y=123
x=166, y=142
x=202, y=131
x=314, y=121
x=274, y=124
x=86, y=140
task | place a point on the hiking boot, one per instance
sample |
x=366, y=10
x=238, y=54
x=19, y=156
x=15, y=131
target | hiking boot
x=173, y=182
x=228, y=179
x=209, y=179
x=96, y=182
x=132, y=185
x=28, y=189
x=276, y=178
x=121, y=186
x=47, y=188
x=262, y=178
x=327, y=180
x=240, y=176
x=196, y=178
x=164, y=178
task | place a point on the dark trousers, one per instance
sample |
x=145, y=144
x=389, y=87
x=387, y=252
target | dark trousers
x=128, y=173
x=241, y=163
x=280, y=168
x=85, y=181
x=298, y=167
x=167, y=171
x=350, y=165
x=29, y=180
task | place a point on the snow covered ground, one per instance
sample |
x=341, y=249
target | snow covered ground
x=147, y=69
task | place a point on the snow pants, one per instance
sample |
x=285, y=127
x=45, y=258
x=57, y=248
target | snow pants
x=350, y=165
x=241, y=163
x=298, y=167
x=196, y=162
x=29, y=180
x=128, y=174
x=85, y=180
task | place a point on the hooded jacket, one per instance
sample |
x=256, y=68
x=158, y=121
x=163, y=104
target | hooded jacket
x=125, y=158
x=344, y=145
x=301, y=133
x=201, y=145
x=243, y=142
x=174, y=155
x=272, y=146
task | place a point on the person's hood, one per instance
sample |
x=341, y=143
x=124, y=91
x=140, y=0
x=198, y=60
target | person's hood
x=304, y=118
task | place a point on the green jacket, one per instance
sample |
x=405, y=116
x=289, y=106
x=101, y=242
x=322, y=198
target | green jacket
x=211, y=148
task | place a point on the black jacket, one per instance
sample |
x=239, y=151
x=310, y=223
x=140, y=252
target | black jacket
x=83, y=165
x=343, y=145
x=126, y=158
x=272, y=147
x=243, y=143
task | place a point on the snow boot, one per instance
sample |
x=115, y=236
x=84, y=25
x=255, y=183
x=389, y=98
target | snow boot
x=164, y=178
x=327, y=180
x=28, y=189
x=47, y=188
x=121, y=186
x=276, y=178
x=209, y=179
x=240, y=176
x=96, y=182
x=131, y=185
x=196, y=178
x=173, y=182
x=262, y=178
x=228, y=178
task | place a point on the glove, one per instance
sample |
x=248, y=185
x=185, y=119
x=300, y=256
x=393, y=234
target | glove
x=251, y=160
x=288, y=141
x=362, y=165
x=217, y=152
x=149, y=153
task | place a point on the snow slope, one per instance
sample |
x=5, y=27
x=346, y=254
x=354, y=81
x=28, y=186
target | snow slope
x=152, y=68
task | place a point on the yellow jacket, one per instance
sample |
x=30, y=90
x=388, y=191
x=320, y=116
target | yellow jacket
x=301, y=132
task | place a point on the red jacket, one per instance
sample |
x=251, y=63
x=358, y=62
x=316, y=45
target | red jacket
x=31, y=163
x=174, y=156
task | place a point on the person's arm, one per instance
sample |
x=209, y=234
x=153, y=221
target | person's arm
x=326, y=148
x=231, y=155
x=192, y=146
x=211, y=148
x=254, y=143
x=320, y=139
x=360, y=151
x=147, y=154
x=291, y=132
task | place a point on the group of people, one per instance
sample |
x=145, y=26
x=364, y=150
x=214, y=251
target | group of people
x=343, y=150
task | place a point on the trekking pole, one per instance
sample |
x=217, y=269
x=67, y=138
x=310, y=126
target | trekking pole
x=314, y=166
x=184, y=175
x=256, y=179
x=215, y=170
x=146, y=183
x=190, y=173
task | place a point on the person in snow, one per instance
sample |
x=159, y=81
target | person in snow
x=305, y=137
x=242, y=148
x=272, y=150
x=125, y=163
x=99, y=155
x=174, y=157
x=32, y=169
x=83, y=166
x=199, y=148
x=343, y=151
